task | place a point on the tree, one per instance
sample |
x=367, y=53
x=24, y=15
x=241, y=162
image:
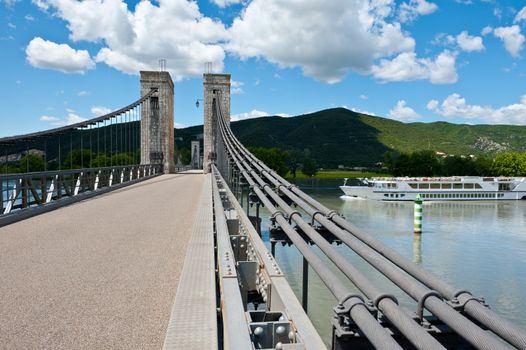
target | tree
x=78, y=158
x=31, y=163
x=121, y=159
x=274, y=158
x=509, y=164
x=185, y=155
x=309, y=167
x=294, y=161
x=100, y=161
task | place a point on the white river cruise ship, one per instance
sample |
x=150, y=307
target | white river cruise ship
x=465, y=188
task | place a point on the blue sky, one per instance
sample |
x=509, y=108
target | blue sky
x=460, y=61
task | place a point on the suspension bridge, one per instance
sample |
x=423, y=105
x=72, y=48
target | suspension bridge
x=105, y=242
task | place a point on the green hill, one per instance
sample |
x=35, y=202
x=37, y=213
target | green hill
x=339, y=136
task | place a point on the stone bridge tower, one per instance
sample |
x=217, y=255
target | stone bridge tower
x=216, y=90
x=157, y=121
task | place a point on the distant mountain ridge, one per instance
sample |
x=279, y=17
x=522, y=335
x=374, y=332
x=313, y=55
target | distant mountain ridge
x=339, y=136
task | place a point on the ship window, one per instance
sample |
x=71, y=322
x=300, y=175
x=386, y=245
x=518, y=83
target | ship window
x=468, y=185
x=478, y=186
x=457, y=186
x=402, y=195
x=423, y=186
x=446, y=185
x=412, y=185
x=434, y=185
x=386, y=195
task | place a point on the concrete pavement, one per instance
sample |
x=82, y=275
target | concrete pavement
x=99, y=274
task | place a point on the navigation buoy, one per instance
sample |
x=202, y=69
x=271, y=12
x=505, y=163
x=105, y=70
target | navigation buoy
x=418, y=214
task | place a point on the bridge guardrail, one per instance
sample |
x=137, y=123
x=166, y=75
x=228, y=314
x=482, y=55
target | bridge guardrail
x=28, y=194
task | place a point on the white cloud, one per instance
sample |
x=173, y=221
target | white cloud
x=73, y=119
x=99, y=110
x=225, y=3
x=255, y=114
x=47, y=118
x=41, y=53
x=29, y=18
x=409, y=11
x=317, y=36
x=487, y=30
x=403, y=112
x=512, y=38
x=54, y=121
x=363, y=97
x=406, y=67
x=362, y=111
x=82, y=93
x=9, y=3
x=135, y=40
x=456, y=106
x=469, y=43
x=237, y=87
x=521, y=15
x=179, y=126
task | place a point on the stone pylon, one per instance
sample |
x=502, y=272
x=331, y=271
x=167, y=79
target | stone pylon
x=157, y=121
x=216, y=90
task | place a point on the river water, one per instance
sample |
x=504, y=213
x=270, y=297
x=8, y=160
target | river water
x=479, y=246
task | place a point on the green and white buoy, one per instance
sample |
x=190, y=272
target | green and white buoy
x=418, y=214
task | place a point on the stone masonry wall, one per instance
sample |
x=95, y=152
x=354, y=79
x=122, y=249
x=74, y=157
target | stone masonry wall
x=157, y=127
x=216, y=86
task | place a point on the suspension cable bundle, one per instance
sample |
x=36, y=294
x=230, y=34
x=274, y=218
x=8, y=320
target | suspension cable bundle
x=457, y=308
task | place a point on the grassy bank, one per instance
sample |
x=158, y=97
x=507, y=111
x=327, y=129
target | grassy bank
x=335, y=174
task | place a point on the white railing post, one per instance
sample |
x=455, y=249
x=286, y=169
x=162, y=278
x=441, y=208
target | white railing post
x=96, y=184
x=12, y=197
x=77, y=185
x=52, y=189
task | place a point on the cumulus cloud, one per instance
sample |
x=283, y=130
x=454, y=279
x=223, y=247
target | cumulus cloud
x=82, y=93
x=455, y=106
x=487, y=30
x=135, y=40
x=236, y=87
x=469, y=43
x=72, y=118
x=99, y=110
x=409, y=11
x=521, y=15
x=363, y=97
x=403, y=112
x=9, y=3
x=317, y=36
x=225, y=3
x=42, y=53
x=52, y=120
x=255, y=114
x=512, y=38
x=407, y=67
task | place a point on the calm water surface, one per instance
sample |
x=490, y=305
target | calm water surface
x=479, y=246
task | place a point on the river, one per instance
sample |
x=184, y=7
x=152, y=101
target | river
x=479, y=246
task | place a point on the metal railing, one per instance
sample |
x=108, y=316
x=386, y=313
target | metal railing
x=457, y=318
x=41, y=191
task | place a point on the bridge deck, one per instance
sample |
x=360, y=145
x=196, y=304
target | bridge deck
x=101, y=273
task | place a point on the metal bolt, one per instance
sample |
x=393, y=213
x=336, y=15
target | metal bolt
x=291, y=336
x=279, y=346
x=280, y=330
x=258, y=331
